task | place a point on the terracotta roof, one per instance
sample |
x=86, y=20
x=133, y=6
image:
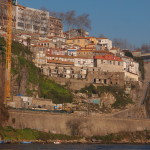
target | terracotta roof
x=102, y=51
x=114, y=48
x=101, y=38
x=81, y=38
x=60, y=62
x=44, y=41
x=40, y=46
x=84, y=50
x=108, y=57
x=66, y=56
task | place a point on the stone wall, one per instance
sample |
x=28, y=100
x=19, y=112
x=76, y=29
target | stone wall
x=64, y=123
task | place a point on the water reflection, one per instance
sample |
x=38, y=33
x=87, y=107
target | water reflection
x=72, y=147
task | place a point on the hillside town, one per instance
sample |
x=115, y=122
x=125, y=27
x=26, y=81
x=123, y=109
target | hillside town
x=73, y=55
x=74, y=73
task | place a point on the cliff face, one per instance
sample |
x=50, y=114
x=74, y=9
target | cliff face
x=26, y=78
x=3, y=111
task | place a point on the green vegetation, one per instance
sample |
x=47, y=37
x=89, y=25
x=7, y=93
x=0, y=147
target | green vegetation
x=128, y=137
x=108, y=138
x=9, y=133
x=128, y=54
x=2, y=49
x=22, y=66
x=49, y=89
x=122, y=99
x=89, y=90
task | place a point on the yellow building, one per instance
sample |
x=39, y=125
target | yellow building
x=82, y=41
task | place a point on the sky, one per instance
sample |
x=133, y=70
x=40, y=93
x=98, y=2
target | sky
x=125, y=19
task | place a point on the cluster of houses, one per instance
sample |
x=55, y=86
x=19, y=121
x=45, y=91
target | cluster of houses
x=86, y=58
x=76, y=56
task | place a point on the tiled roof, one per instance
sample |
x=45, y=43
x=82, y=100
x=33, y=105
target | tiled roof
x=102, y=51
x=60, y=62
x=77, y=38
x=108, y=57
x=101, y=38
x=66, y=56
x=114, y=48
x=84, y=50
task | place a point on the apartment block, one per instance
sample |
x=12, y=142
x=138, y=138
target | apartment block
x=55, y=27
x=31, y=20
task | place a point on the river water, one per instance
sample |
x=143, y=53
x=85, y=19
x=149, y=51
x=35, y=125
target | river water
x=72, y=147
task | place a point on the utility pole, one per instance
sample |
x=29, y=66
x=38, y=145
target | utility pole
x=7, y=95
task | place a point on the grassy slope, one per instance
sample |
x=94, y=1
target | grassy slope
x=9, y=133
x=22, y=58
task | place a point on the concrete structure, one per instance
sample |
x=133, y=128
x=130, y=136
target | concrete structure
x=55, y=27
x=3, y=16
x=130, y=65
x=39, y=58
x=109, y=63
x=115, y=51
x=31, y=20
x=82, y=41
x=83, y=62
x=31, y=103
x=46, y=43
x=56, y=51
x=104, y=43
x=76, y=33
x=72, y=52
x=92, y=125
x=137, y=53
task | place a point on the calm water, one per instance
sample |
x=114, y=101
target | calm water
x=72, y=147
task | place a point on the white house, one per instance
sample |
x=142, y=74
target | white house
x=72, y=52
x=83, y=62
x=104, y=43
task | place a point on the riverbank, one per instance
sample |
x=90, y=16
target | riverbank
x=11, y=135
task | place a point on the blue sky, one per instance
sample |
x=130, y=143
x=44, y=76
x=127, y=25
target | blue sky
x=125, y=19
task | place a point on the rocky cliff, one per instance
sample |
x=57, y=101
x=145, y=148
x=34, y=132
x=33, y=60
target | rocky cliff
x=26, y=78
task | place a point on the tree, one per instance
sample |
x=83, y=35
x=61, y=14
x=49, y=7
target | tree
x=145, y=48
x=83, y=21
x=102, y=35
x=128, y=54
x=122, y=43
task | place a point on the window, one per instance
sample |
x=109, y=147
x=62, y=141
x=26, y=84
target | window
x=105, y=81
x=20, y=24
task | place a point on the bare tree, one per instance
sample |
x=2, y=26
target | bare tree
x=145, y=48
x=123, y=44
x=83, y=22
x=102, y=35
